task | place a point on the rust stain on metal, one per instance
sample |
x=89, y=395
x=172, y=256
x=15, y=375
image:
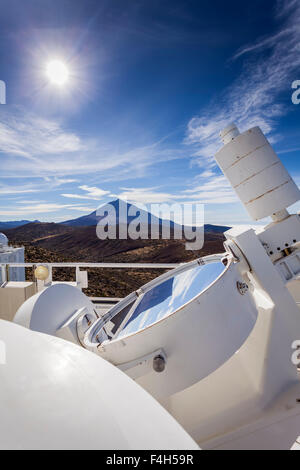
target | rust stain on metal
x=244, y=156
x=257, y=173
x=268, y=192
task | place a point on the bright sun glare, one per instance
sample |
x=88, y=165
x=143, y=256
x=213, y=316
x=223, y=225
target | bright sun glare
x=57, y=72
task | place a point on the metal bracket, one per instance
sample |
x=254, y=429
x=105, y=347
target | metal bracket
x=142, y=365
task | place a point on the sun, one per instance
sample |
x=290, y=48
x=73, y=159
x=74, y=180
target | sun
x=57, y=72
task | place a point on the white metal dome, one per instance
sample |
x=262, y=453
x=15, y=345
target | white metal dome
x=47, y=310
x=3, y=239
x=59, y=396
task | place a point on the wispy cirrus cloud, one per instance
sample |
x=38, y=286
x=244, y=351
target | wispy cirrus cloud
x=91, y=192
x=7, y=190
x=37, y=185
x=253, y=98
x=29, y=136
x=206, y=188
x=147, y=195
x=41, y=208
x=211, y=190
x=35, y=146
x=78, y=196
x=55, y=181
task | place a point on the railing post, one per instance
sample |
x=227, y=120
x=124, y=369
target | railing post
x=3, y=273
x=77, y=278
x=48, y=281
x=7, y=273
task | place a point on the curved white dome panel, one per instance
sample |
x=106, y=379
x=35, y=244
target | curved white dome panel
x=3, y=239
x=48, y=310
x=55, y=395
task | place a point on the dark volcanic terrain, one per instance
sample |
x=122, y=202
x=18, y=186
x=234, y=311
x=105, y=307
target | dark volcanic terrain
x=51, y=242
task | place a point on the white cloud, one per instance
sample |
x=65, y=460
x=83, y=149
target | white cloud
x=207, y=188
x=288, y=150
x=38, y=185
x=146, y=195
x=83, y=209
x=59, y=181
x=43, y=208
x=6, y=190
x=207, y=174
x=29, y=136
x=77, y=196
x=30, y=201
x=215, y=190
x=34, y=146
x=251, y=99
x=92, y=193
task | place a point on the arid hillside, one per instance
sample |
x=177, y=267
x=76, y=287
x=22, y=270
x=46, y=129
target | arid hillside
x=58, y=243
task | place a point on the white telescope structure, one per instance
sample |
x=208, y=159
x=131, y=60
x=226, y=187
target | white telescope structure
x=255, y=172
x=214, y=340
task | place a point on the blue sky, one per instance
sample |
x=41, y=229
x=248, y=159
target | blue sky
x=151, y=85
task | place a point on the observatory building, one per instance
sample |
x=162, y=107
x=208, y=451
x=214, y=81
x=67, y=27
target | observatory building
x=14, y=290
x=9, y=254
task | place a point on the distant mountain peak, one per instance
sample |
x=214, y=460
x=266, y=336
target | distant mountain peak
x=94, y=217
x=15, y=223
x=121, y=215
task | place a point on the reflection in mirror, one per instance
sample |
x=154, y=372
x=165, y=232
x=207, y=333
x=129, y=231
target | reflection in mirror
x=167, y=297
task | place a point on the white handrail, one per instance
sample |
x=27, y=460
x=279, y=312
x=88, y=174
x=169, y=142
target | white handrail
x=96, y=265
x=77, y=265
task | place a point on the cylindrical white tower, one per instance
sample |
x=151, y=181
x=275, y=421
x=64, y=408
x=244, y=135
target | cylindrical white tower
x=255, y=172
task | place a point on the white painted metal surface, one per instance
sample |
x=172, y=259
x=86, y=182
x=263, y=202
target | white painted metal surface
x=13, y=294
x=240, y=395
x=296, y=445
x=280, y=236
x=3, y=240
x=10, y=254
x=55, y=395
x=56, y=311
x=256, y=173
x=197, y=338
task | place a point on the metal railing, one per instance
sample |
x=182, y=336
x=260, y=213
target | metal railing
x=5, y=269
x=96, y=265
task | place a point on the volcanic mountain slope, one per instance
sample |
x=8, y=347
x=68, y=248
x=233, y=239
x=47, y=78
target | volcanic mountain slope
x=117, y=212
x=34, y=231
x=82, y=244
x=58, y=243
